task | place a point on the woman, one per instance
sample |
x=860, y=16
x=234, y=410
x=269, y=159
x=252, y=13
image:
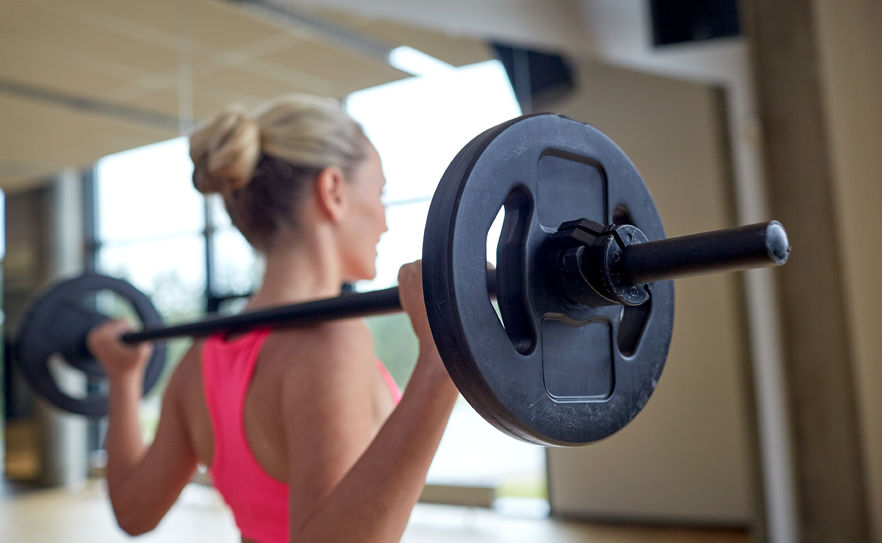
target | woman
x=299, y=427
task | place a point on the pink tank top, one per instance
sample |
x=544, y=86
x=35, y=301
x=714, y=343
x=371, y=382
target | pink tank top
x=259, y=502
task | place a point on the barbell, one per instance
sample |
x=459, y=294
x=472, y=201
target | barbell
x=583, y=287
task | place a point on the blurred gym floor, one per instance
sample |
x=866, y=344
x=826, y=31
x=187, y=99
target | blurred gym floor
x=30, y=514
x=83, y=515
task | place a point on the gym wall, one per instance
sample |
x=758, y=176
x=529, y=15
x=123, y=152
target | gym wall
x=851, y=74
x=686, y=457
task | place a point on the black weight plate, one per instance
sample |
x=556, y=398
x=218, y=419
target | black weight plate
x=56, y=323
x=568, y=375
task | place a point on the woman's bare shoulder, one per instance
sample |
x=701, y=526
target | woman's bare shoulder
x=187, y=375
x=324, y=349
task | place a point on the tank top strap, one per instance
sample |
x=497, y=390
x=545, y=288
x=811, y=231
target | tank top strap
x=390, y=381
x=227, y=368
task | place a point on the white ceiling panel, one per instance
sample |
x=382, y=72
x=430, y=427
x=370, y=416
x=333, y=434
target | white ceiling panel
x=82, y=79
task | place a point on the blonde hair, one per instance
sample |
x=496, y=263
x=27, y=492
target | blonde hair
x=260, y=163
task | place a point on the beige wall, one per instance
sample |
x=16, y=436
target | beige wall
x=850, y=34
x=687, y=456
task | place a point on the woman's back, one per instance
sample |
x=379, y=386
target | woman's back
x=288, y=356
x=290, y=368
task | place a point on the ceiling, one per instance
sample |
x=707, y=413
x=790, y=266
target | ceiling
x=80, y=80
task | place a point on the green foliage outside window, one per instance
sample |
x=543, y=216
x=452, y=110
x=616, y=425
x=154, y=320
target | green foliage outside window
x=395, y=344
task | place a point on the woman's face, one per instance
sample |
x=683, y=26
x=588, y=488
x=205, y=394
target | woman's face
x=366, y=220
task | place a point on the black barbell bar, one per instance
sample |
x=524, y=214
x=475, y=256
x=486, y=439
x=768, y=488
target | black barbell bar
x=751, y=246
x=758, y=245
x=360, y=304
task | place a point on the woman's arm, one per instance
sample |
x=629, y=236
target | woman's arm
x=341, y=491
x=374, y=499
x=143, y=482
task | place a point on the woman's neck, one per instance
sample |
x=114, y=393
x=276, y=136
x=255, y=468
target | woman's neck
x=297, y=272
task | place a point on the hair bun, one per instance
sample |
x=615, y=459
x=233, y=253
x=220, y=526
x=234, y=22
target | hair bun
x=224, y=152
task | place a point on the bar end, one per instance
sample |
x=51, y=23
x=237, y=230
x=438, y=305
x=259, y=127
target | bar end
x=777, y=243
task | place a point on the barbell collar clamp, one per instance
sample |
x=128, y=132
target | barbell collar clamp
x=613, y=264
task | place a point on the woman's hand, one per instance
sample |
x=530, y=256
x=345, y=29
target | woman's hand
x=410, y=291
x=117, y=358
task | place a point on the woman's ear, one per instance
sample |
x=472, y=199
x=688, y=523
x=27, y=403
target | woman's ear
x=330, y=188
